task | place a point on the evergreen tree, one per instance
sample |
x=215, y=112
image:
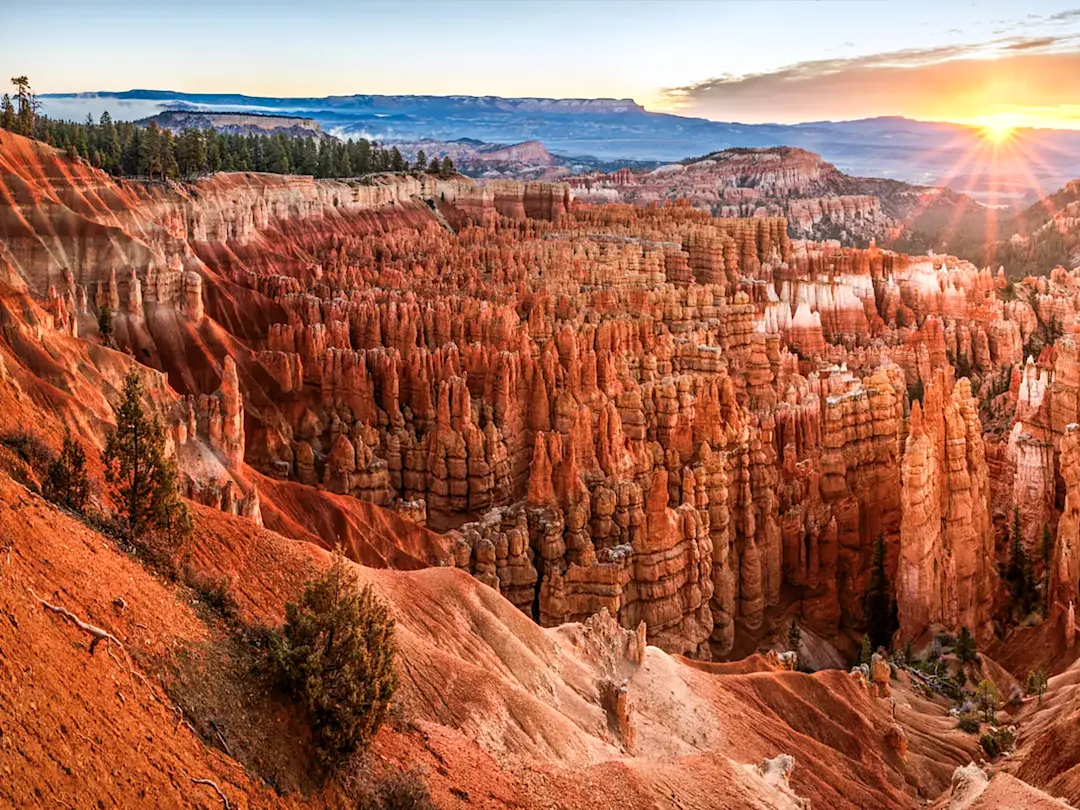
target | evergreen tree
x=150, y=152
x=362, y=164
x=866, y=652
x=105, y=325
x=1047, y=545
x=421, y=162
x=794, y=637
x=191, y=153
x=143, y=481
x=397, y=162
x=27, y=106
x=1036, y=683
x=277, y=159
x=7, y=114
x=987, y=698
x=65, y=481
x=167, y=156
x=335, y=653
x=966, y=649
x=434, y=167
x=447, y=168
x=1048, y=560
x=1019, y=574
x=880, y=610
x=325, y=167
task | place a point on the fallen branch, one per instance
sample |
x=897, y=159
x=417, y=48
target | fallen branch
x=211, y=783
x=221, y=738
x=98, y=634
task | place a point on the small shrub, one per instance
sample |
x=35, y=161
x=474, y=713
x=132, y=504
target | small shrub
x=394, y=790
x=335, y=655
x=212, y=591
x=997, y=742
x=794, y=636
x=65, y=479
x=933, y=655
x=946, y=639
x=29, y=447
x=990, y=745
x=1006, y=738
x=909, y=654
x=969, y=723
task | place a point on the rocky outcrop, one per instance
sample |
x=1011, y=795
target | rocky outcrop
x=946, y=573
x=1065, y=568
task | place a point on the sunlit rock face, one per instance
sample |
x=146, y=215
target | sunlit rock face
x=684, y=419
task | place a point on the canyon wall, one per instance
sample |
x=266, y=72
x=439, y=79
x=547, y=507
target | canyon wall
x=690, y=421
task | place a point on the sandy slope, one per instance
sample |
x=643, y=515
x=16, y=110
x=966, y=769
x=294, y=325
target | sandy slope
x=502, y=709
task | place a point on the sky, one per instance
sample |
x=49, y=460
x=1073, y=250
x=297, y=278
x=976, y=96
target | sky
x=991, y=62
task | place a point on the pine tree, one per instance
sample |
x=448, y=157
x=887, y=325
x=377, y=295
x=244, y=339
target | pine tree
x=7, y=114
x=966, y=649
x=1019, y=573
x=447, y=168
x=880, y=623
x=143, y=481
x=1036, y=683
x=397, y=162
x=433, y=167
x=794, y=637
x=65, y=481
x=421, y=162
x=27, y=103
x=325, y=165
x=191, y=153
x=987, y=698
x=150, y=152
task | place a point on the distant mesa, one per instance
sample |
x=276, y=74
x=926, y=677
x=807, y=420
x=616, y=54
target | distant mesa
x=620, y=129
x=236, y=123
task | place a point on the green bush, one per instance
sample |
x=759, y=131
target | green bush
x=335, y=655
x=969, y=723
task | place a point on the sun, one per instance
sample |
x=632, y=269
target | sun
x=998, y=131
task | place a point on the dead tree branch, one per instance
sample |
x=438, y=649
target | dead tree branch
x=211, y=783
x=98, y=634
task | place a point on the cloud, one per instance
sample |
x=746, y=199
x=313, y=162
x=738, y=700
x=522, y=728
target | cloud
x=950, y=82
x=1035, y=44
